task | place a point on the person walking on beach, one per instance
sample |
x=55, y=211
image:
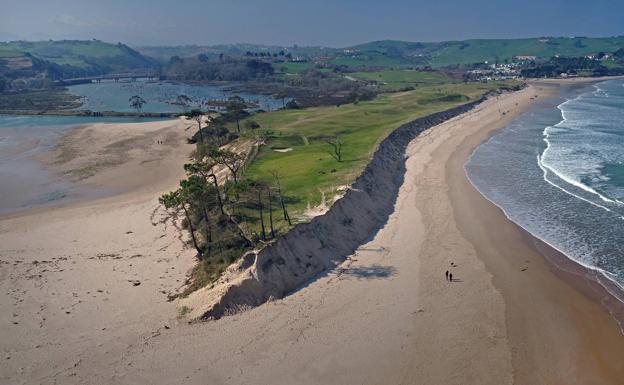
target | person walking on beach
x=451, y=277
x=447, y=274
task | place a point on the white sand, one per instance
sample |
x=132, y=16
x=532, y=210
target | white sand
x=386, y=316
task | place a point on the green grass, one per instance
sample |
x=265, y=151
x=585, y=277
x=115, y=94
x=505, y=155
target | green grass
x=77, y=53
x=309, y=168
x=6, y=53
x=294, y=68
x=75, y=62
x=54, y=50
x=393, y=80
x=610, y=64
x=370, y=59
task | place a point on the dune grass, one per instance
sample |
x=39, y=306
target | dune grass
x=308, y=170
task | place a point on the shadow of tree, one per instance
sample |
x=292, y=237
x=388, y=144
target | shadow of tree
x=368, y=272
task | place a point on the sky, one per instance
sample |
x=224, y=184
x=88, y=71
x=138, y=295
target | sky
x=337, y=23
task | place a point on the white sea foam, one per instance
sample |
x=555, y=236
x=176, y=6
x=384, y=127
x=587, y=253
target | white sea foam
x=604, y=273
x=543, y=163
x=577, y=170
x=545, y=171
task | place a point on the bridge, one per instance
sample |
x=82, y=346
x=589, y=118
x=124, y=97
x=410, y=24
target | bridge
x=115, y=77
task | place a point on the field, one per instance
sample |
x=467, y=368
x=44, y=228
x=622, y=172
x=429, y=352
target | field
x=307, y=169
x=293, y=67
x=393, y=80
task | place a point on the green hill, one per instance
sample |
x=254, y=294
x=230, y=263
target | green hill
x=394, y=53
x=471, y=51
x=402, y=53
x=92, y=56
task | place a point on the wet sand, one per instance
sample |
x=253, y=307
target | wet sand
x=76, y=315
x=81, y=279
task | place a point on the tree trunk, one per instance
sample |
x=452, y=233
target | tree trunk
x=216, y=184
x=201, y=136
x=271, y=213
x=281, y=198
x=286, y=216
x=209, y=237
x=261, y=216
x=248, y=242
x=192, y=230
x=234, y=173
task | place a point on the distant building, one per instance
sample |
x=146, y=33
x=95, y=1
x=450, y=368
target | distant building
x=524, y=58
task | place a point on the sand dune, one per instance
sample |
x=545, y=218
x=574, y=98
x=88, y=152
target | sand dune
x=385, y=316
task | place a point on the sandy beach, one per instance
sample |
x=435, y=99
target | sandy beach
x=70, y=275
x=84, y=287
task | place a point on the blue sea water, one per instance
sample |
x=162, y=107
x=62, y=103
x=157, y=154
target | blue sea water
x=558, y=172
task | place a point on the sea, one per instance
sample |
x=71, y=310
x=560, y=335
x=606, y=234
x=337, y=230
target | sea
x=25, y=183
x=558, y=172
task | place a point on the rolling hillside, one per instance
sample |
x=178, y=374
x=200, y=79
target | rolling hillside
x=473, y=51
x=32, y=65
x=393, y=53
x=79, y=53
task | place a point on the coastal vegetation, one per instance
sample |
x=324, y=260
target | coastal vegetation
x=202, y=68
x=38, y=100
x=253, y=178
x=137, y=102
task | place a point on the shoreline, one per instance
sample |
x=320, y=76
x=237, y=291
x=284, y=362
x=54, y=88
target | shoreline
x=585, y=279
x=591, y=281
x=583, y=303
x=80, y=279
x=91, y=161
x=94, y=114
